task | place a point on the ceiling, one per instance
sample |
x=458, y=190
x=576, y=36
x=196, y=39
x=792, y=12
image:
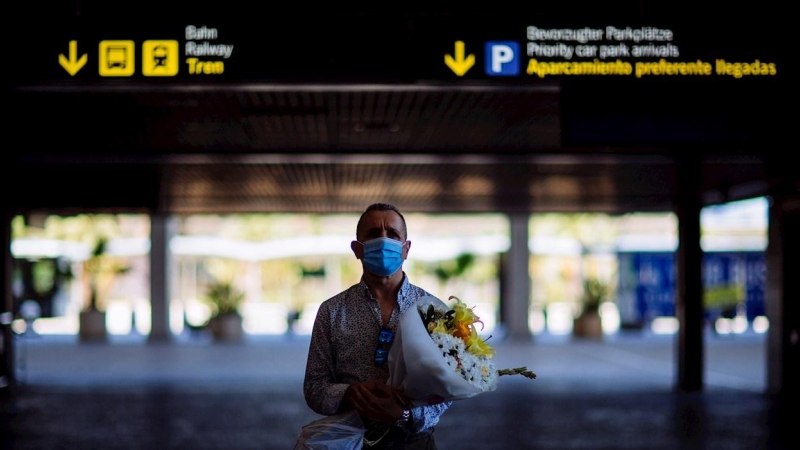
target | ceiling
x=428, y=146
x=337, y=148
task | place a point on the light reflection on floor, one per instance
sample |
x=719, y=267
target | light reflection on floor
x=270, y=319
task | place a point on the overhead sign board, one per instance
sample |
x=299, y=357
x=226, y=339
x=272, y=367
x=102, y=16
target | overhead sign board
x=535, y=50
x=227, y=47
x=199, y=52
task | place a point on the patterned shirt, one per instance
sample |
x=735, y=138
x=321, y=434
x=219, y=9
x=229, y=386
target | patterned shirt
x=342, y=348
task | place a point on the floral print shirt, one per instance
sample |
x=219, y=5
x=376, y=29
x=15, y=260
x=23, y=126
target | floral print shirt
x=342, y=349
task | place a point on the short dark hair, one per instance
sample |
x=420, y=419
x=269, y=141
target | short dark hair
x=382, y=207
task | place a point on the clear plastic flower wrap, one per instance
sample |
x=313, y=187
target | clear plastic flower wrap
x=343, y=431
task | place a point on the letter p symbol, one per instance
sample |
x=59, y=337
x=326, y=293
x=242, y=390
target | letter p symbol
x=502, y=58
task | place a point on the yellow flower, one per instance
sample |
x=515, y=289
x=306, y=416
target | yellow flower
x=463, y=320
x=477, y=346
x=463, y=314
x=437, y=327
x=461, y=330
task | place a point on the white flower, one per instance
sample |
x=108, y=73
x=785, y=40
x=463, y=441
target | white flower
x=478, y=370
x=451, y=347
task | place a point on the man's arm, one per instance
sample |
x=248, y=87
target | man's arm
x=322, y=393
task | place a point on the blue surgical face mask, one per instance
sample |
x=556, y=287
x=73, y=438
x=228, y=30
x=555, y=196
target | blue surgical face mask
x=383, y=256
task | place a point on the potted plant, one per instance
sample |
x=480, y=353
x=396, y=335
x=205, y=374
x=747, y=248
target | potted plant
x=588, y=323
x=101, y=270
x=224, y=300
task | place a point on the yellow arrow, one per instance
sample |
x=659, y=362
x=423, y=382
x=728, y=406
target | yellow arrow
x=459, y=65
x=72, y=65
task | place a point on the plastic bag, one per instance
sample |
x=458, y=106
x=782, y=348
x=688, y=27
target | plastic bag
x=343, y=431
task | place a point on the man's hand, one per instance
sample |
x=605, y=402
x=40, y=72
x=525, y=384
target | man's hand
x=376, y=400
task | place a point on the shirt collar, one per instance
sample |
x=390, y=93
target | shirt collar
x=404, y=298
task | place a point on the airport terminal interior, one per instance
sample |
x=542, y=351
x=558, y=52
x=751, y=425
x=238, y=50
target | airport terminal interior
x=609, y=188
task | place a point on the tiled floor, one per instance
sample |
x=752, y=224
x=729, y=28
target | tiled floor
x=194, y=394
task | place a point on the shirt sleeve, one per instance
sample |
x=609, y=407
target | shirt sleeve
x=322, y=393
x=426, y=417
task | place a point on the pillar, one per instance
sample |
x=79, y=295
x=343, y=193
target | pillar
x=689, y=289
x=161, y=231
x=516, y=292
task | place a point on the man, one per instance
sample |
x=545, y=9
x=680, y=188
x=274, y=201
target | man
x=352, y=334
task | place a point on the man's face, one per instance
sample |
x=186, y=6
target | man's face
x=378, y=224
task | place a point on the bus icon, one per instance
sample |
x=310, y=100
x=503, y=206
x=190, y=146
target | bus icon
x=116, y=58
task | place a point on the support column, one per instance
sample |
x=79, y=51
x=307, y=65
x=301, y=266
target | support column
x=516, y=293
x=689, y=261
x=161, y=231
x=782, y=297
x=7, y=369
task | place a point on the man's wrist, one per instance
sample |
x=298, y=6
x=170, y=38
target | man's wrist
x=405, y=419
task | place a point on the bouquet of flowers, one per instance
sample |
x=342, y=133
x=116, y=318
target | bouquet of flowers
x=438, y=354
